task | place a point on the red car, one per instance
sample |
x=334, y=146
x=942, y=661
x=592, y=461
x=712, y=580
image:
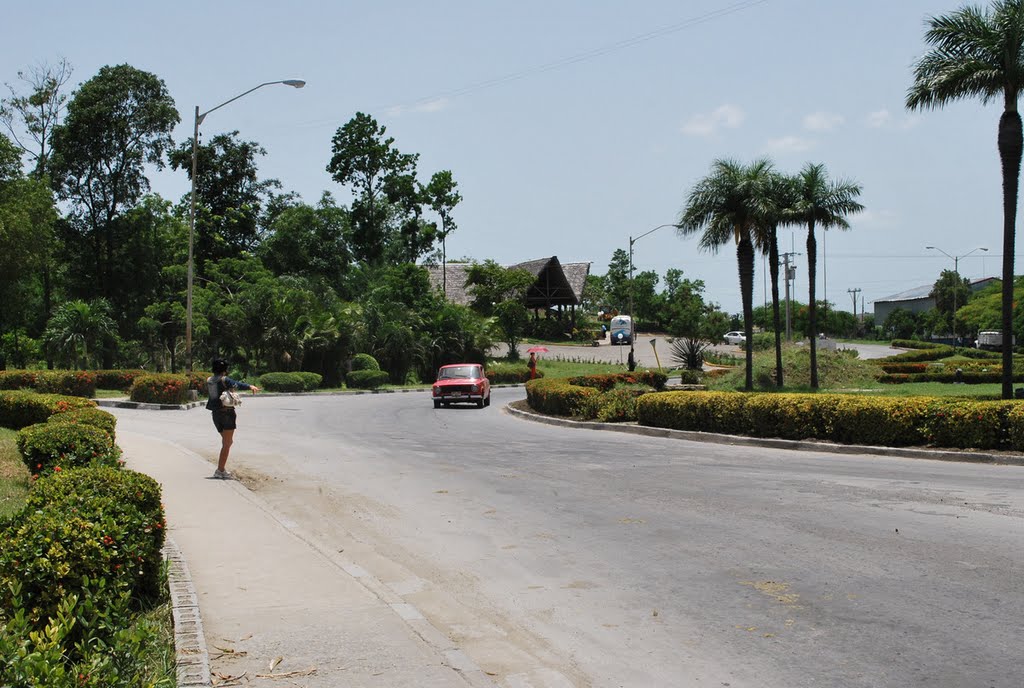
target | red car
x=462, y=382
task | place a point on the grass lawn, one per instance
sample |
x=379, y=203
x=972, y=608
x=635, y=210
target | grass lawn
x=14, y=476
x=109, y=393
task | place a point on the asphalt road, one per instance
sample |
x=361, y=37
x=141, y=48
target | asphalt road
x=650, y=355
x=561, y=557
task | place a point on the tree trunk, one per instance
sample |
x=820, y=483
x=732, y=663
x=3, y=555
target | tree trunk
x=745, y=259
x=1010, y=144
x=773, y=258
x=812, y=306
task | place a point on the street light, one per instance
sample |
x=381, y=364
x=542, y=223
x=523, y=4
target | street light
x=294, y=83
x=956, y=270
x=632, y=315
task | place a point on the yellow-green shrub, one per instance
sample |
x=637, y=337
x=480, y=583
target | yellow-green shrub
x=557, y=397
x=52, y=447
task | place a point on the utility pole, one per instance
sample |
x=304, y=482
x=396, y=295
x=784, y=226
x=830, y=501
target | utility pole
x=853, y=292
x=789, y=274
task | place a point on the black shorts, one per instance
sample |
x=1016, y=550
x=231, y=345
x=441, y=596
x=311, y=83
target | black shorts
x=224, y=419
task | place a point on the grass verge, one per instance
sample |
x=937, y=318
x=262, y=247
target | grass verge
x=14, y=476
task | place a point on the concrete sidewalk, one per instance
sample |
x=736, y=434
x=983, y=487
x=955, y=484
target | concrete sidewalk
x=275, y=605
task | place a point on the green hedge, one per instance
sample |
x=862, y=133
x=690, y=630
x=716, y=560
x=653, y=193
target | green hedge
x=290, y=382
x=162, y=388
x=931, y=353
x=905, y=421
x=117, y=379
x=81, y=558
x=89, y=416
x=19, y=408
x=916, y=344
x=557, y=396
x=53, y=447
x=606, y=382
x=509, y=373
x=75, y=383
x=364, y=362
x=366, y=379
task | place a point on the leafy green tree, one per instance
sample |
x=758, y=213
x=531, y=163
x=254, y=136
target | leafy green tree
x=979, y=54
x=950, y=291
x=821, y=203
x=648, y=304
x=616, y=281
x=309, y=241
x=684, y=304
x=724, y=205
x=27, y=215
x=441, y=195
x=78, y=328
x=230, y=196
x=900, y=324
x=594, y=295
x=117, y=122
x=493, y=284
x=382, y=181
x=511, y=318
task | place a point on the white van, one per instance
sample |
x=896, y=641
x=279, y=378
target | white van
x=621, y=329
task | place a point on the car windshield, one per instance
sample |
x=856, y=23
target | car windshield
x=456, y=372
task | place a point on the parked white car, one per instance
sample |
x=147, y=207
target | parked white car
x=734, y=337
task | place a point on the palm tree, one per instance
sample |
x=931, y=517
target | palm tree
x=981, y=54
x=725, y=205
x=825, y=203
x=777, y=206
x=77, y=327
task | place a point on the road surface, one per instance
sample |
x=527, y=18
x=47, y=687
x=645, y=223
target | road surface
x=565, y=557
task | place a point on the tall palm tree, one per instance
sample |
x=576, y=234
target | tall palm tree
x=824, y=203
x=979, y=54
x=77, y=328
x=725, y=205
x=777, y=205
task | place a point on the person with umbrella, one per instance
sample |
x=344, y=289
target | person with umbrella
x=532, y=363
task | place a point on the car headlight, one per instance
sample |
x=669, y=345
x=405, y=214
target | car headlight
x=436, y=390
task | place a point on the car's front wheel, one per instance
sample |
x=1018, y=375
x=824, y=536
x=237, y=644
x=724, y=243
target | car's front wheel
x=487, y=401
x=437, y=404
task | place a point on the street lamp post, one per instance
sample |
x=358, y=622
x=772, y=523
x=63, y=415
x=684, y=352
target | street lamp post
x=956, y=270
x=294, y=83
x=632, y=315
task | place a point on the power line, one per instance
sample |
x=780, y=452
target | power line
x=565, y=61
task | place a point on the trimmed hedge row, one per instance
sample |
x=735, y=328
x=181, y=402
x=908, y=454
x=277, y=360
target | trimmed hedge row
x=75, y=383
x=509, y=373
x=606, y=382
x=19, y=408
x=162, y=388
x=932, y=352
x=290, y=382
x=968, y=377
x=557, y=396
x=107, y=422
x=915, y=344
x=54, y=447
x=894, y=422
x=366, y=379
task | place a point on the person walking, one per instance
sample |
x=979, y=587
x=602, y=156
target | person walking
x=532, y=365
x=224, y=417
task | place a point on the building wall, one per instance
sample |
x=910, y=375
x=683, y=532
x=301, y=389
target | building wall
x=884, y=308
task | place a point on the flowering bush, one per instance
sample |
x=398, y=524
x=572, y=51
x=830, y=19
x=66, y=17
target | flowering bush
x=117, y=379
x=606, y=382
x=48, y=448
x=95, y=417
x=160, y=388
x=72, y=383
x=20, y=408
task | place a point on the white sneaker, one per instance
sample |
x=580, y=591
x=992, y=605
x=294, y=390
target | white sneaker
x=221, y=475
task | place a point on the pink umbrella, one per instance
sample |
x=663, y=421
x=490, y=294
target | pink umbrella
x=537, y=350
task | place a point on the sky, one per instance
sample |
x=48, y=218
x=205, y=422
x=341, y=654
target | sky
x=573, y=125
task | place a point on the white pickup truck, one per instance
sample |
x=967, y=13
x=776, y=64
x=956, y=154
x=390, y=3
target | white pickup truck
x=992, y=340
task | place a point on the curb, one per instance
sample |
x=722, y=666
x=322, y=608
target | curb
x=121, y=403
x=192, y=660
x=772, y=443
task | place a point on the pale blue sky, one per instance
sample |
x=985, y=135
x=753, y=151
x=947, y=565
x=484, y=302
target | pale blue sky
x=572, y=125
